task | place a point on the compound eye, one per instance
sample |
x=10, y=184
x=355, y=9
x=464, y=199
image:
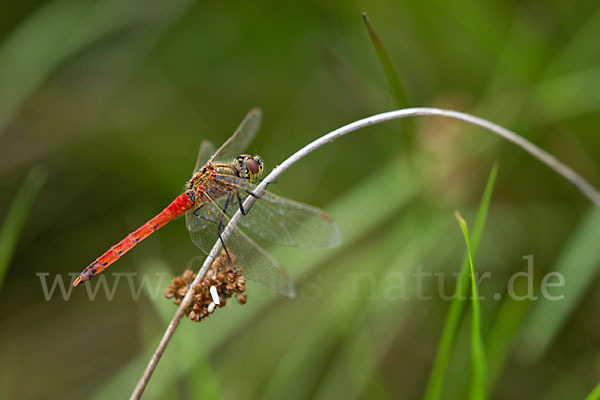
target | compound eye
x=252, y=166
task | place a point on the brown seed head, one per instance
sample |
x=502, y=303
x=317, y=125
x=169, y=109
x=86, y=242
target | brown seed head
x=225, y=276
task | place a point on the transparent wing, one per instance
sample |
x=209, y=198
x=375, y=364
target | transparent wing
x=241, y=138
x=285, y=221
x=255, y=262
x=207, y=149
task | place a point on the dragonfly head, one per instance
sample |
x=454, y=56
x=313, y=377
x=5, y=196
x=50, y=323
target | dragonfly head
x=252, y=167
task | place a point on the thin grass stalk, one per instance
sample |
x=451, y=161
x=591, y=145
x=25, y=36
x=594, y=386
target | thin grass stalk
x=17, y=217
x=595, y=395
x=477, y=355
x=440, y=364
x=586, y=188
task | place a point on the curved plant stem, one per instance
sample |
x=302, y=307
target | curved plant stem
x=586, y=188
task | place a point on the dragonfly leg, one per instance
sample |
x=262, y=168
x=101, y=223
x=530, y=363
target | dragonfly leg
x=195, y=212
x=239, y=199
x=225, y=206
x=225, y=247
x=251, y=193
x=240, y=204
x=219, y=229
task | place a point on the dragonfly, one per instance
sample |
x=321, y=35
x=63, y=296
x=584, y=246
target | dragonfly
x=221, y=181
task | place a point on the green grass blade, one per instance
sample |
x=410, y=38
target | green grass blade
x=595, y=395
x=578, y=265
x=17, y=215
x=440, y=366
x=477, y=356
x=393, y=78
x=388, y=67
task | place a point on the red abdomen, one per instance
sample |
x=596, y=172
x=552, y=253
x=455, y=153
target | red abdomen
x=181, y=204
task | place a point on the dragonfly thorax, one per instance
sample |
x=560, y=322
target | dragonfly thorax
x=212, y=178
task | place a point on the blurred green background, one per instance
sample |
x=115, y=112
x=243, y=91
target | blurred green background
x=103, y=105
